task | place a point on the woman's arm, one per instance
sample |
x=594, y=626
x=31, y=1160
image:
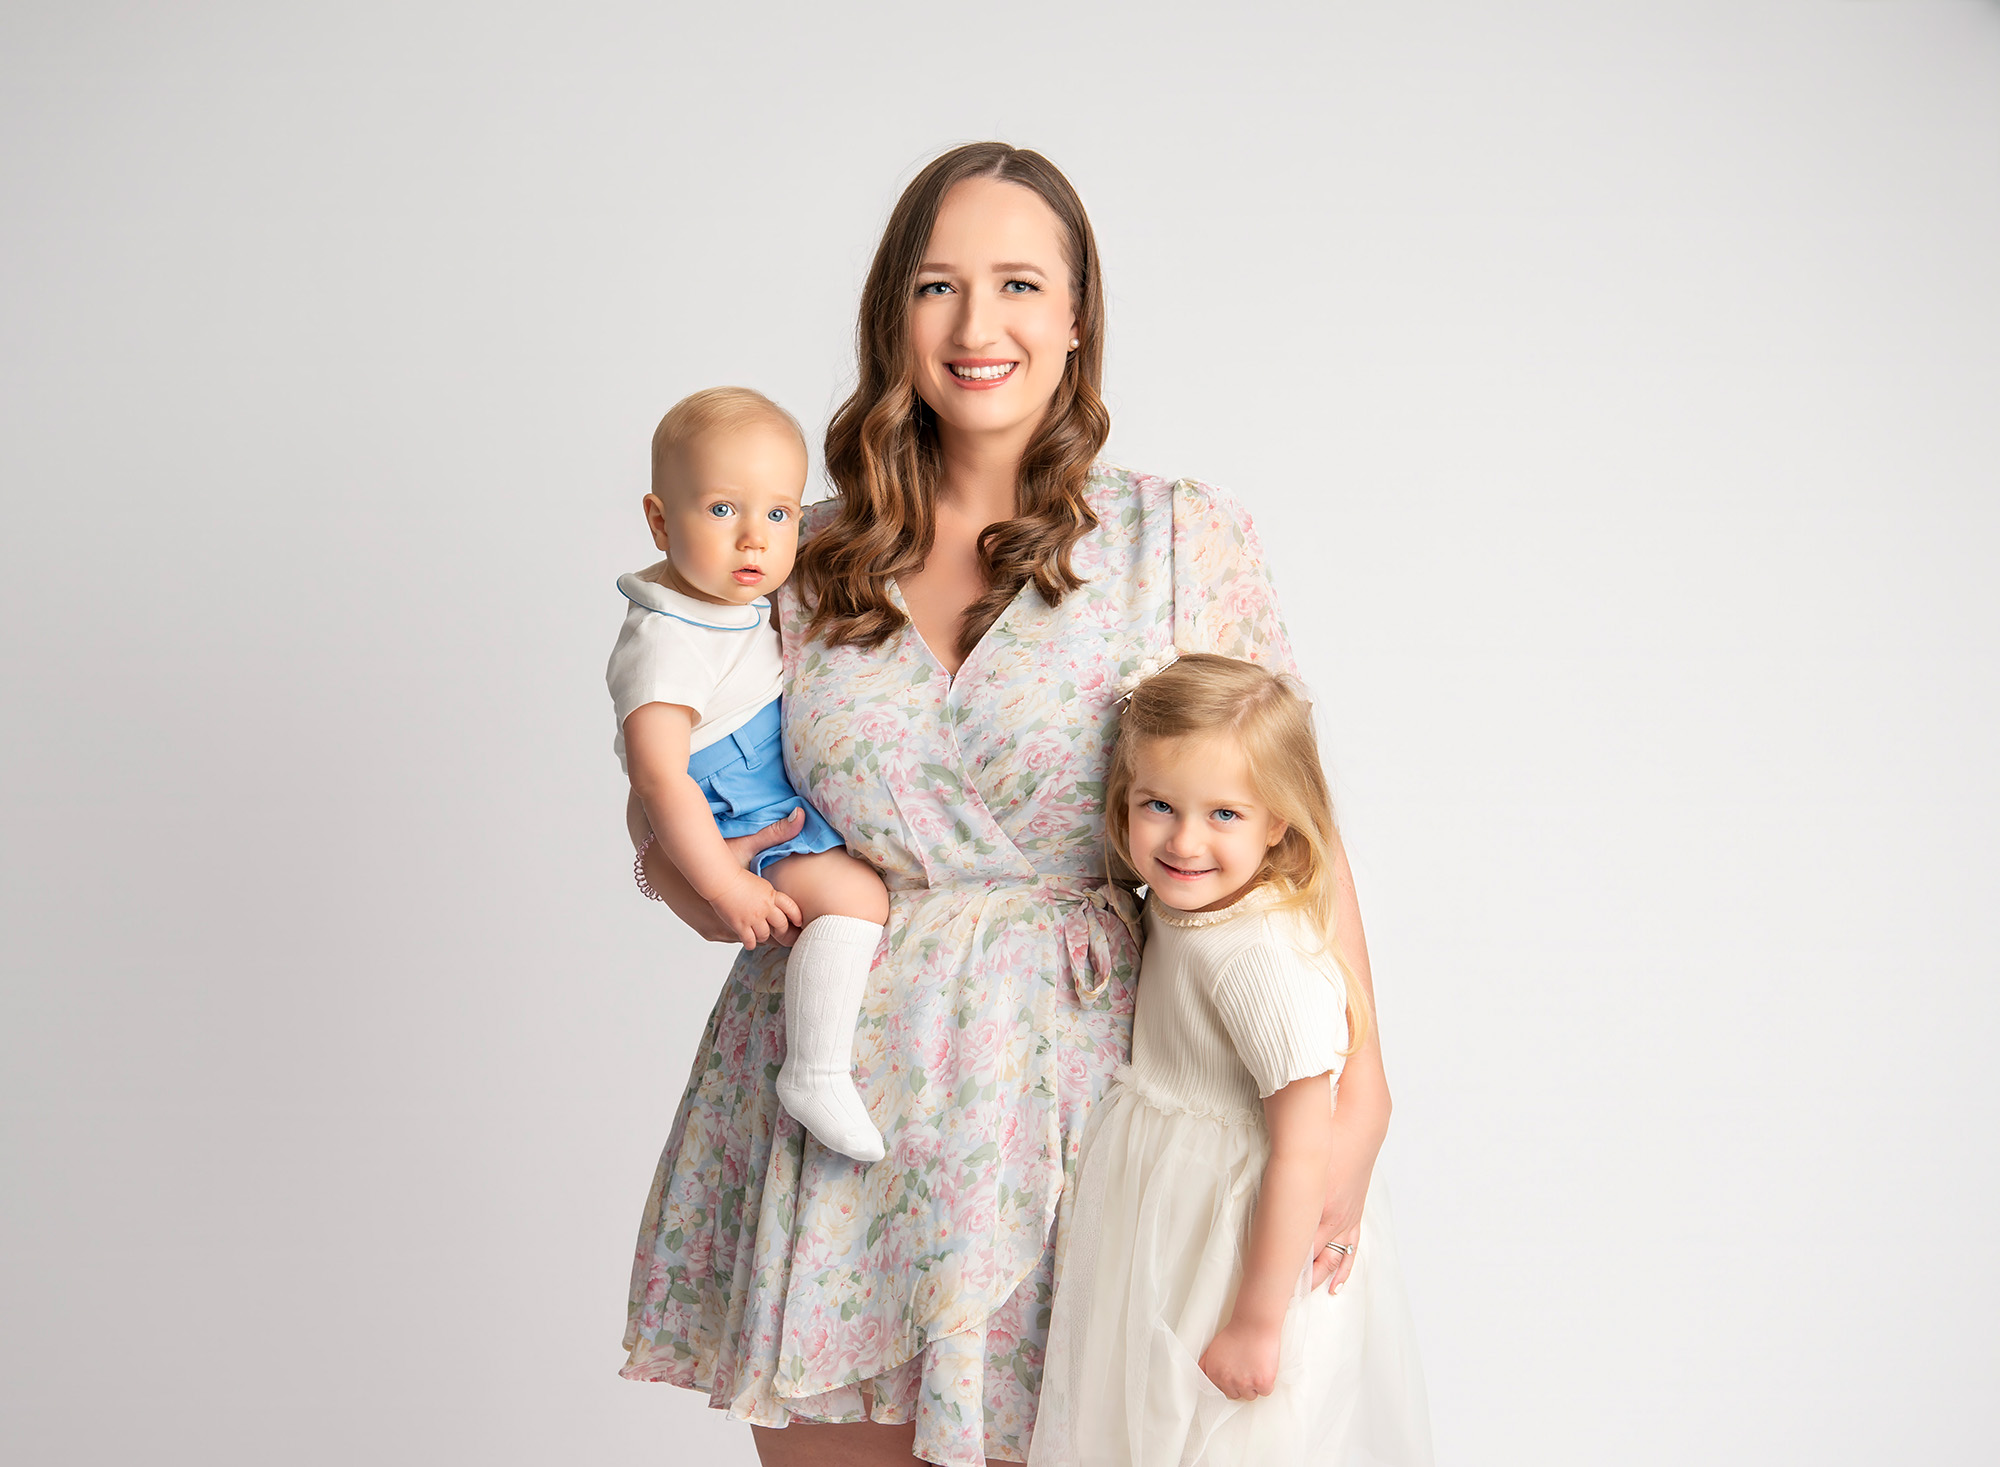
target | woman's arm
x=1361, y=1119
x=682, y=899
x=1242, y=1359
x=656, y=755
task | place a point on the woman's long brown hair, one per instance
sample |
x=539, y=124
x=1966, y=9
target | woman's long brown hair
x=882, y=446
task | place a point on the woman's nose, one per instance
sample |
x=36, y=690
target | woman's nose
x=975, y=323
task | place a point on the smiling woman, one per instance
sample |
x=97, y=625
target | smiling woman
x=967, y=605
x=981, y=341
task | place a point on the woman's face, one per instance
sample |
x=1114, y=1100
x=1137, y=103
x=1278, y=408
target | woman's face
x=993, y=316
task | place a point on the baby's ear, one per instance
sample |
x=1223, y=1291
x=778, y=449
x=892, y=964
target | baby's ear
x=656, y=519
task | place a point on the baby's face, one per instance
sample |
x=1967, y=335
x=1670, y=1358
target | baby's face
x=729, y=522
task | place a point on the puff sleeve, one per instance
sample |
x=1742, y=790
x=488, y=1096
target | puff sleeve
x=1224, y=601
x=1286, y=1016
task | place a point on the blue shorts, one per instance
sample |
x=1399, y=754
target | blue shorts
x=743, y=775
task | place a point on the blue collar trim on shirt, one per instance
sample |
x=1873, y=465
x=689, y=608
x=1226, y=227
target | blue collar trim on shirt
x=704, y=625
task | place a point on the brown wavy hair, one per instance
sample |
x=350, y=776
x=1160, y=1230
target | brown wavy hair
x=882, y=446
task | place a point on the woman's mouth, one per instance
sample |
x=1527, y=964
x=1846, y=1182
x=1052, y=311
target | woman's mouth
x=748, y=575
x=981, y=373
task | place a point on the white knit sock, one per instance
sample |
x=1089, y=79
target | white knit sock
x=825, y=978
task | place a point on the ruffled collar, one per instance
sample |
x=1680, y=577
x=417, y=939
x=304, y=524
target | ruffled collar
x=1253, y=900
x=681, y=607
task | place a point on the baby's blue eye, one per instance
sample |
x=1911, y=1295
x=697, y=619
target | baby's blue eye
x=778, y=516
x=721, y=511
x=1159, y=807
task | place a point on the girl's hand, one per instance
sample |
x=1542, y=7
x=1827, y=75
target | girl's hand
x=753, y=909
x=1242, y=1360
x=1329, y=1267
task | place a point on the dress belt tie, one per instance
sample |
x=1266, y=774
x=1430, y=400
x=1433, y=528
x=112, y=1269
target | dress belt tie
x=1084, y=935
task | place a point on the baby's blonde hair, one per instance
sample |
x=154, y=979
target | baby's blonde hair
x=1268, y=716
x=704, y=412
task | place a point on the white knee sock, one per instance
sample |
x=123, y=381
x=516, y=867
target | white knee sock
x=825, y=978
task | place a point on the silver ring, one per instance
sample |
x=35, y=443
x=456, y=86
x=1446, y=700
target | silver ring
x=1341, y=1248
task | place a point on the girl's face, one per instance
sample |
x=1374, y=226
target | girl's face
x=992, y=322
x=1197, y=830
x=730, y=522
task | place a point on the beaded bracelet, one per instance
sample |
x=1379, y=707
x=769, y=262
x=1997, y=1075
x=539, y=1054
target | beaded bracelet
x=639, y=872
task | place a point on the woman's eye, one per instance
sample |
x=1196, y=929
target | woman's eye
x=778, y=516
x=721, y=511
x=1024, y=287
x=933, y=287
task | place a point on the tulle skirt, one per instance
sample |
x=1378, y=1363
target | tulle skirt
x=1153, y=1256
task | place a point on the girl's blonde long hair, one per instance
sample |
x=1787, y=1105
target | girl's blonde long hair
x=1268, y=716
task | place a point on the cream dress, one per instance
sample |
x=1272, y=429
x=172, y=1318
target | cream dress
x=1230, y=1010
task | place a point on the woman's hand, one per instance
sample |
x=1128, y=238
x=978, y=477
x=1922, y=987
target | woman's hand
x=1331, y=1267
x=1361, y=1119
x=754, y=910
x=1242, y=1360
x=682, y=899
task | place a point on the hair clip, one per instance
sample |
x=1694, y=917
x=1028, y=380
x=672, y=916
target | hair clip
x=1149, y=667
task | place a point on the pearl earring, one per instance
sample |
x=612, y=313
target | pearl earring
x=1074, y=343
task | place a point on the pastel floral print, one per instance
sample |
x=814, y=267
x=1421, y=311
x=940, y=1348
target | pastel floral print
x=780, y=1277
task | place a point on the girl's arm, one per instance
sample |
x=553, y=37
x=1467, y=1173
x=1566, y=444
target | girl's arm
x=1242, y=1359
x=1362, y=1118
x=656, y=757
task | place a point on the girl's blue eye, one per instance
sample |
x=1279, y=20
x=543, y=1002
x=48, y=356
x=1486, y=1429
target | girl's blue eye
x=721, y=511
x=1225, y=816
x=778, y=516
x=1159, y=807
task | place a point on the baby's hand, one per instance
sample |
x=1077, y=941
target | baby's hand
x=1242, y=1360
x=750, y=907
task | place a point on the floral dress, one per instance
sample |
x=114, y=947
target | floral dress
x=780, y=1277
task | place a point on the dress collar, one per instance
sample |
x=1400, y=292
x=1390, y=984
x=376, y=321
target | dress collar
x=1253, y=900
x=669, y=602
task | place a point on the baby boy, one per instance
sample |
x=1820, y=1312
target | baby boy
x=695, y=678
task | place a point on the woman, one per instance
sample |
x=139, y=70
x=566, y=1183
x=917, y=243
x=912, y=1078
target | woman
x=964, y=609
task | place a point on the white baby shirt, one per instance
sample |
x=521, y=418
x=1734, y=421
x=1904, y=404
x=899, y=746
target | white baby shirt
x=721, y=661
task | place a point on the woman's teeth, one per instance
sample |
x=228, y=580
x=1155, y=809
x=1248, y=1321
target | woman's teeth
x=983, y=374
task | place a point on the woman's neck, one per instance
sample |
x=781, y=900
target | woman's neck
x=981, y=474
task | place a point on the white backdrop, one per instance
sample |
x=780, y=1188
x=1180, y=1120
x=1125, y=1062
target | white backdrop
x=1614, y=386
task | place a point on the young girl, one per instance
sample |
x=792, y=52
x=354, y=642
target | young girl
x=1185, y=1328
